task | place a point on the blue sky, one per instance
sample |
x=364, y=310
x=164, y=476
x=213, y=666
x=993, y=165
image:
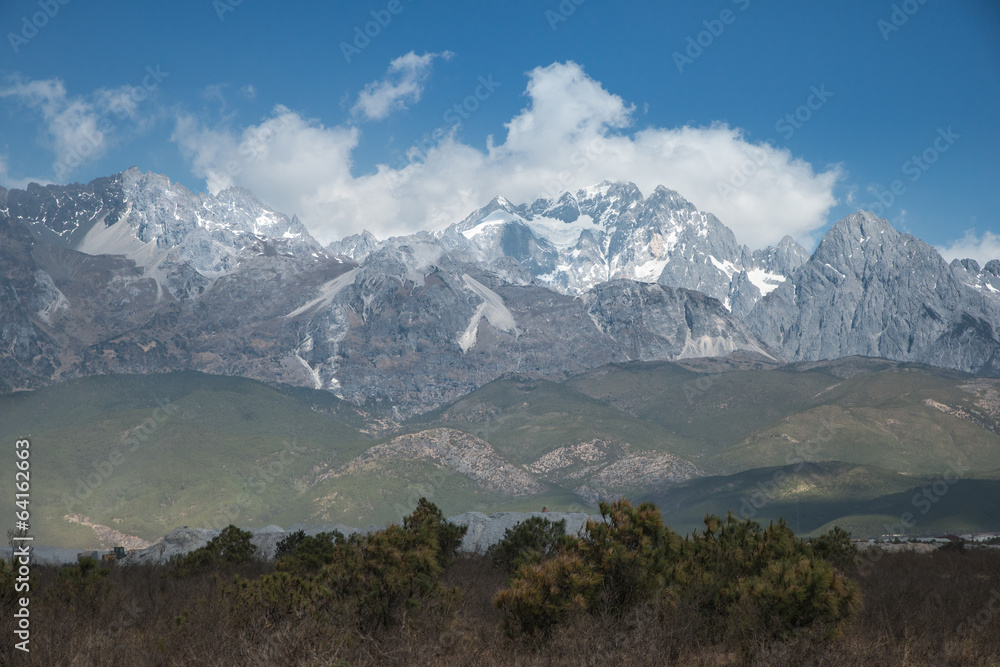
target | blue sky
x=778, y=117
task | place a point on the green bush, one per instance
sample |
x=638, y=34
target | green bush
x=531, y=541
x=374, y=578
x=307, y=553
x=746, y=580
x=836, y=548
x=288, y=544
x=618, y=562
x=232, y=546
x=546, y=593
x=428, y=521
x=737, y=565
x=630, y=548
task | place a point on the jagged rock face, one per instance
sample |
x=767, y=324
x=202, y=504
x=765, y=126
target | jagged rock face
x=655, y=322
x=179, y=239
x=417, y=341
x=985, y=280
x=64, y=214
x=356, y=247
x=608, y=232
x=26, y=360
x=418, y=323
x=870, y=290
x=134, y=274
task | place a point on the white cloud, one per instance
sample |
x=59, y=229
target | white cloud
x=980, y=248
x=572, y=133
x=288, y=161
x=78, y=129
x=403, y=84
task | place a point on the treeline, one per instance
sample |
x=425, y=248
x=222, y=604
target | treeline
x=626, y=588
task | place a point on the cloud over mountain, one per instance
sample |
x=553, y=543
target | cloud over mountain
x=572, y=132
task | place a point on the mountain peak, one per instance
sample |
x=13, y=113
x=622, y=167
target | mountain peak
x=864, y=222
x=668, y=198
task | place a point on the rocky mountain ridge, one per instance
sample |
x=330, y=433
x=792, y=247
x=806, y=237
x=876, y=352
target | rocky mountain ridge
x=132, y=273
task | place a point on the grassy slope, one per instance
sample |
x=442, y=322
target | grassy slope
x=232, y=449
x=753, y=419
x=524, y=419
x=236, y=450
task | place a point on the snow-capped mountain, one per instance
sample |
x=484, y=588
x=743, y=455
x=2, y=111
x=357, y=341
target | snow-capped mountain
x=180, y=239
x=985, y=280
x=132, y=273
x=610, y=232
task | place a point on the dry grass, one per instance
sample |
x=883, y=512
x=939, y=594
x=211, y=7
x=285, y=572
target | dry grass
x=918, y=609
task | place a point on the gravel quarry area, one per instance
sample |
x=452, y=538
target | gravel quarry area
x=483, y=531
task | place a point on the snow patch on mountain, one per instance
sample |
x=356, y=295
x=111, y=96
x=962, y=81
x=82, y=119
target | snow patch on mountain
x=327, y=292
x=492, y=308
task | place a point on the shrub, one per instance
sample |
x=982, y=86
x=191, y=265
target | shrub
x=739, y=565
x=531, y=541
x=749, y=580
x=307, y=553
x=428, y=521
x=288, y=544
x=231, y=546
x=630, y=549
x=373, y=578
x=80, y=586
x=836, y=548
x=618, y=562
x=386, y=573
x=543, y=594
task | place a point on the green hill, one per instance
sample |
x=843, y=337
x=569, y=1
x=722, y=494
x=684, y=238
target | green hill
x=849, y=439
x=144, y=454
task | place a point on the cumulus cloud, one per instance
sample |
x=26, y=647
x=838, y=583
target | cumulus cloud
x=572, y=133
x=981, y=248
x=402, y=84
x=293, y=163
x=78, y=129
